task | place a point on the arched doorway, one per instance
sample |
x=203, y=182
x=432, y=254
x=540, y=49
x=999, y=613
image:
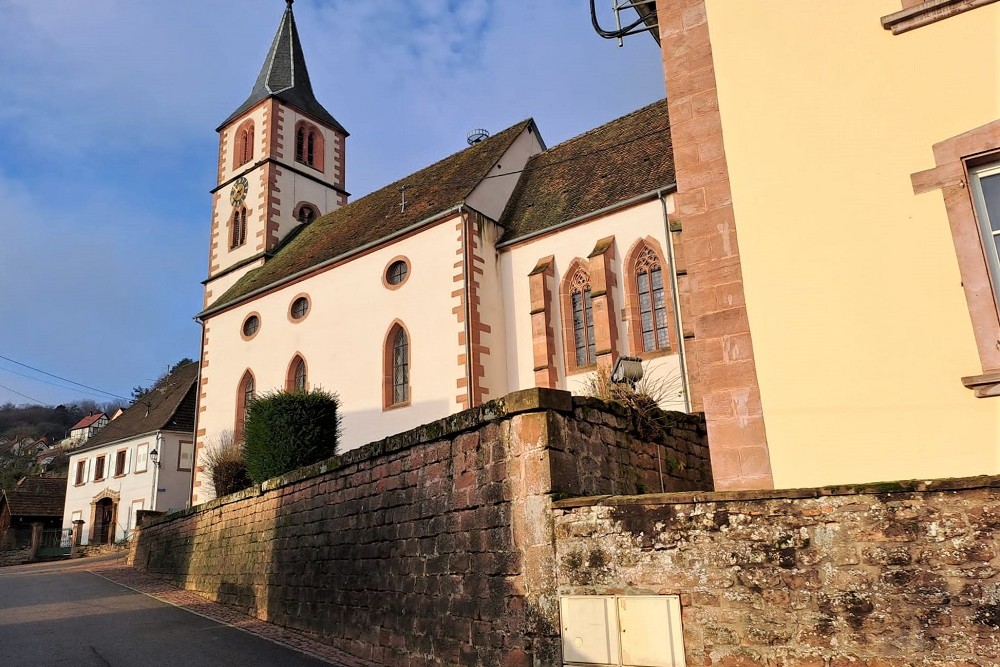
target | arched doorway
x=104, y=517
x=104, y=530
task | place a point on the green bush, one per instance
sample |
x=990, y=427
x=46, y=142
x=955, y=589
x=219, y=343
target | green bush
x=286, y=430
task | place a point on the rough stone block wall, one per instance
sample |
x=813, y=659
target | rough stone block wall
x=871, y=576
x=433, y=547
x=610, y=445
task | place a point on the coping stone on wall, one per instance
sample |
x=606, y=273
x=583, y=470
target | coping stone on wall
x=526, y=400
x=694, y=497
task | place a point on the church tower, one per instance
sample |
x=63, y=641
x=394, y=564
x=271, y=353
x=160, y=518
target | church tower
x=281, y=164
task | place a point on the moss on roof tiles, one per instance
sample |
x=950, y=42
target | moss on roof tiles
x=430, y=191
x=610, y=164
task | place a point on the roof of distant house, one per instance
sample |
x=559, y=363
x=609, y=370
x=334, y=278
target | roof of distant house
x=430, y=191
x=168, y=406
x=37, y=497
x=88, y=420
x=626, y=158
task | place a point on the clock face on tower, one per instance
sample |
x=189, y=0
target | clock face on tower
x=239, y=191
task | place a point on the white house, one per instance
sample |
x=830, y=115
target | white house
x=140, y=461
x=502, y=267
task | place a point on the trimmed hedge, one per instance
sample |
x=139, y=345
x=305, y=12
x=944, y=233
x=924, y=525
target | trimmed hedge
x=286, y=430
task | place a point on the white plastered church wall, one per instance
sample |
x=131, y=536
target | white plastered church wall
x=627, y=226
x=341, y=340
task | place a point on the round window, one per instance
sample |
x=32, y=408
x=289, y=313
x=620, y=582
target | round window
x=300, y=307
x=250, y=326
x=396, y=273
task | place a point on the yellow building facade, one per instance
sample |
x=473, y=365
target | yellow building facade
x=826, y=157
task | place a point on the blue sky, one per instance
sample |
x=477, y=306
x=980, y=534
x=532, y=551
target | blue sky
x=108, y=148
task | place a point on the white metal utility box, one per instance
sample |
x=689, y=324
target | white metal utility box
x=622, y=630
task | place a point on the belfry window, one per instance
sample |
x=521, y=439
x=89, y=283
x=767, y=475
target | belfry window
x=238, y=228
x=244, y=144
x=309, y=145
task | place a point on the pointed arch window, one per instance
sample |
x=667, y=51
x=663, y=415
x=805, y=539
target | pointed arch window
x=244, y=395
x=309, y=145
x=648, y=293
x=578, y=318
x=652, y=301
x=396, y=375
x=297, y=375
x=238, y=228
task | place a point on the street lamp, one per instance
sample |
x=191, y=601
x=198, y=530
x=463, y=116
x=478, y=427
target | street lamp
x=154, y=456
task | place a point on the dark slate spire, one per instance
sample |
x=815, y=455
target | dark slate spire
x=284, y=76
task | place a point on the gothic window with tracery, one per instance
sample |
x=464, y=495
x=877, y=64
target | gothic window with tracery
x=396, y=390
x=652, y=301
x=583, y=318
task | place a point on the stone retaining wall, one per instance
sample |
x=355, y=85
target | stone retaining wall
x=872, y=576
x=434, y=547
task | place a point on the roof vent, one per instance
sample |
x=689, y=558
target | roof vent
x=477, y=135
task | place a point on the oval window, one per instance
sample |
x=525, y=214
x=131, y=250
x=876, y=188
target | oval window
x=300, y=308
x=396, y=273
x=250, y=326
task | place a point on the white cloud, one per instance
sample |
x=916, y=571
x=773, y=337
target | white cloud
x=107, y=143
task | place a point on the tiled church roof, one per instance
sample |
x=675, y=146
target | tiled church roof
x=376, y=216
x=167, y=406
x=625, y=158
x=285, y=77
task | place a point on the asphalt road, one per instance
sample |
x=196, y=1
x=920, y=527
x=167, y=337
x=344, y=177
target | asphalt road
x=59, y=614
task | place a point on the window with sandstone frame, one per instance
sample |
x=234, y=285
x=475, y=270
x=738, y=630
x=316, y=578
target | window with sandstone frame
x=296, y=379
x=648, y=300
x=309, y=145
x=964, y=175
x=243, y=150
x=578, y=318
x=918, y=13
x=244, y=394
x=238, y=228
x=396, y=367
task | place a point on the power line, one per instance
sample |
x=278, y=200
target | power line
x=52, y=375
x=49, y=382
x=13, y=391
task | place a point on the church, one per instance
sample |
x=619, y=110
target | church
x=505, y=266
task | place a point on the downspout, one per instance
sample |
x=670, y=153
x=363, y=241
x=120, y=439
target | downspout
x=156, y=469
x=467, y=270
x=676, y=302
